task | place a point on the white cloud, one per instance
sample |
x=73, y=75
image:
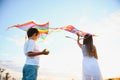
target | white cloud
x=15, y=69
x=19, y=41
x=108, y=44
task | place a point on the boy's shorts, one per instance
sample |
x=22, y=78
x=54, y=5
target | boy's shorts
x=30, y=72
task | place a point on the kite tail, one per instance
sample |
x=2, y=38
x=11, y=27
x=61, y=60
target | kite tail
x=17, y=25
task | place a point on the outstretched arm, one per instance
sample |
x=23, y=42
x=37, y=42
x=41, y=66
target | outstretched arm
x=78, y=42
x=44, y=52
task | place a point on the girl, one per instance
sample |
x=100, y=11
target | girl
x=90, y=67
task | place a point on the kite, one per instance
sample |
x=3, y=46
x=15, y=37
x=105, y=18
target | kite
x=43, y=28
x=73, y=30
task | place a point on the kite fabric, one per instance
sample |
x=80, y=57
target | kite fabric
x=43, y=28
x=73, y=30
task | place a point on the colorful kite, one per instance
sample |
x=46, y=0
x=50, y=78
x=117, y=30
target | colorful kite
x=43, y=28
x=72, y=29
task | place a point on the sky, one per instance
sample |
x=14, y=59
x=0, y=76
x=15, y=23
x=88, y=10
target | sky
x=101, y=17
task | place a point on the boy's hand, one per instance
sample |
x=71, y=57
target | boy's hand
x=45, y=52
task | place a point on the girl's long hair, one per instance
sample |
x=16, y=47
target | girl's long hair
x=88, y=42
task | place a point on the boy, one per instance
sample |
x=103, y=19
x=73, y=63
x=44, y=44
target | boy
x=32, y=54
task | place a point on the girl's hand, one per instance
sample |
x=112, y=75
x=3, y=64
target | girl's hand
x=78, y=34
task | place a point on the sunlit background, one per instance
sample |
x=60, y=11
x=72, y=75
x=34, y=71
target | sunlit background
x=101, y=17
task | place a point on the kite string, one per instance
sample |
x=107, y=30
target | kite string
x=73, y=38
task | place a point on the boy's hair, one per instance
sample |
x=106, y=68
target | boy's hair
x=31, y=31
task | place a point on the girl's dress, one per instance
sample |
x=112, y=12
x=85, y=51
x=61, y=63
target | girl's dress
x=90, y=67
